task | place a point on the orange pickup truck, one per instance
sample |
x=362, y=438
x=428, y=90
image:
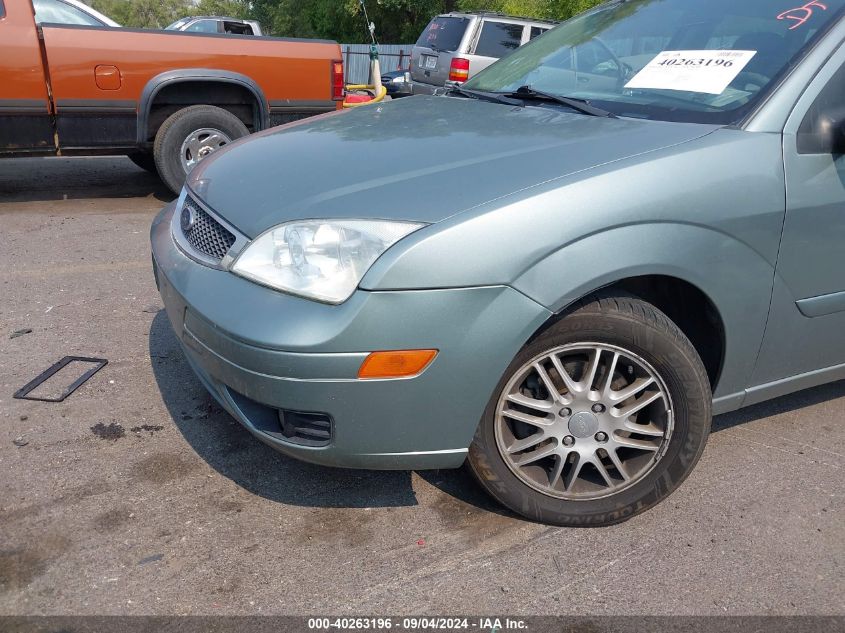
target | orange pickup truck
x=166, y=99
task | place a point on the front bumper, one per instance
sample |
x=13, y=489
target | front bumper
x=257, y=350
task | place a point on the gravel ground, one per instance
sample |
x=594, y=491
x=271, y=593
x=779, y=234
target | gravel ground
x=139, y=495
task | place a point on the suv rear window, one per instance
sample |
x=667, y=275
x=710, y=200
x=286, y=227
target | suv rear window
x=497, y=39
x=444, y=33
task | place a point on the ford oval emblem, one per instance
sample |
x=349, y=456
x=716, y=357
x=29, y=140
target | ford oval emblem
x=188, y=219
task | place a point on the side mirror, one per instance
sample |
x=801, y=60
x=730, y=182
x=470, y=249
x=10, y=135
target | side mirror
x=823, y=133
x=831, y=133
x=838, y=141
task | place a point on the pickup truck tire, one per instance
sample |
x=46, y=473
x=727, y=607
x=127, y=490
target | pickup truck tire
x=144, y=160
x=614, y=437
x=188, y=136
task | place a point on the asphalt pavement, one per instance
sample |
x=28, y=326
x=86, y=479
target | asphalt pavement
x=139, y=495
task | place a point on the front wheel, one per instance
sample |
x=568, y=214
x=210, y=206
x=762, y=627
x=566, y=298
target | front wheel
x=596, y=420
x=190, y=135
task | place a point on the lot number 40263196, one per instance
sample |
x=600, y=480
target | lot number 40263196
x=680, y=61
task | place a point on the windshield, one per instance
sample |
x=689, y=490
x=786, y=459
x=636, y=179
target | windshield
x=57, y=12
x=677, y=60
x=178, y=24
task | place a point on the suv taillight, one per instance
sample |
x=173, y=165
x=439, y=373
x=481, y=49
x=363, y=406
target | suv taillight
x=459, y=70
x=337, y=80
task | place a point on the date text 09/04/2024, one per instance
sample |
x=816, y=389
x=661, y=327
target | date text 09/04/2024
x=491, y=624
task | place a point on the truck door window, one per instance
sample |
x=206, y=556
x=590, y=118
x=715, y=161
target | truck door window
x=58, y=12
x=828, y=109
x=203, y=26
x=497, y=39
x=2, y=10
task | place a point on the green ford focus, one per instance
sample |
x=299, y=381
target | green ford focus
x=556, y=272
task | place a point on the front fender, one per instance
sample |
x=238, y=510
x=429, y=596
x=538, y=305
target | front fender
x=736, y=278
x=709, y=212
x=211, y=75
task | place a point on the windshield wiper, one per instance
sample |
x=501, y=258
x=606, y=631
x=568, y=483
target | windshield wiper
x=495, y=97
x=581, y=105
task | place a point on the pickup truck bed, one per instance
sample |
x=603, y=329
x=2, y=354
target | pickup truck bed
x=72, y=89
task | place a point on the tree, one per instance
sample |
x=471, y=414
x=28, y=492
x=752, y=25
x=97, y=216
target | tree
x=397, y=21
x=228, y=8
x=151, y=14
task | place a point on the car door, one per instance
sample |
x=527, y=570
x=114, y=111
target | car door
x=25, y=120
x=806, y=332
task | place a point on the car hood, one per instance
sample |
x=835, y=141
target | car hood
x=419, y=159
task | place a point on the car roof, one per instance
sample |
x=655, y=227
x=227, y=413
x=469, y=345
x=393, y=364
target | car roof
x=216, y=17
x=495, y=14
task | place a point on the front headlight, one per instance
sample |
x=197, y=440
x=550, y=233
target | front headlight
x=319, y=259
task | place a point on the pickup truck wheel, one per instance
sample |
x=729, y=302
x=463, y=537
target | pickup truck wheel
x=596, y=420
x=144, y=160
x=190, y=135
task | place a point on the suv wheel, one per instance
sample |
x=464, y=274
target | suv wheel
x=190, y=135
x=597, y=419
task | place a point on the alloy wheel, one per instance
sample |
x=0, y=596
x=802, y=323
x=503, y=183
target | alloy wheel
x=583, y=421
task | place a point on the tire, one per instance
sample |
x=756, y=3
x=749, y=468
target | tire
x=179, y=128
x=144, y=160
x=560, y=483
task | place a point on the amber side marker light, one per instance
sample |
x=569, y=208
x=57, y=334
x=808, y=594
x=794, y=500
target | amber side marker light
x=396, y=364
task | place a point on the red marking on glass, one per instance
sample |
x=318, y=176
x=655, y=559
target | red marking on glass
x=801, y=14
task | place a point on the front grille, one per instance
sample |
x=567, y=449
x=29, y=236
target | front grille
x=205, y=234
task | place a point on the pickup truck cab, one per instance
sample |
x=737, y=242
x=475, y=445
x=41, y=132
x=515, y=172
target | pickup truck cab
x=167, y=99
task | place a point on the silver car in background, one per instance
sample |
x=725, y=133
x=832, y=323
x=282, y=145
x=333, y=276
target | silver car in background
x=456, y=46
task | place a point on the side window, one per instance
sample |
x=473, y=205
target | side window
x=497, y=39
x=237, y=28
x=58, y=12
x=203, y=26
x=536, y=31
x=2, y=10
x=815, y=133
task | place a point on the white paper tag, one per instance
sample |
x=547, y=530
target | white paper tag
x=709, y=72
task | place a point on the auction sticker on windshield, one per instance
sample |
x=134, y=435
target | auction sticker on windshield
x=709, y=72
